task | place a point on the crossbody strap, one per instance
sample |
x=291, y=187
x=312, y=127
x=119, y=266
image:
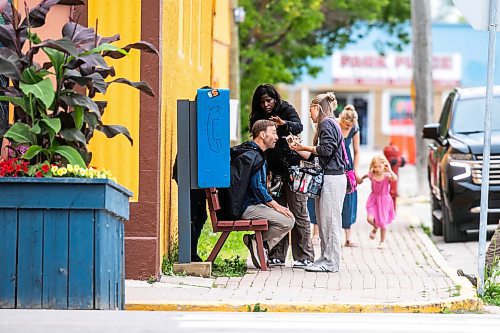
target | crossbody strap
x=339, y=130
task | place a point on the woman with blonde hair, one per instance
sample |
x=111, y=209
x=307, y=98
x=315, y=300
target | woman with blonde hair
x=327, y=146
x=348, y=121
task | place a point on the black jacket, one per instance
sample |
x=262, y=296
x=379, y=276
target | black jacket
x=279, y=157
x=246, y=159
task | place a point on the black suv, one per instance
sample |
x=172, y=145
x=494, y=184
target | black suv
x=455, y=163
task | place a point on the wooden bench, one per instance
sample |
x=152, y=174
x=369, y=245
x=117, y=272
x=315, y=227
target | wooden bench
x=225, y=227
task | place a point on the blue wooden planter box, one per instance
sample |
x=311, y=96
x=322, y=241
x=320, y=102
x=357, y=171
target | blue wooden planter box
x=61, y=243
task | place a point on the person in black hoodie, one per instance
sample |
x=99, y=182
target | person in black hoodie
x=267, y=104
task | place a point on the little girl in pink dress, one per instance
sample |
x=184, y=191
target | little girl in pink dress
x=380, y=207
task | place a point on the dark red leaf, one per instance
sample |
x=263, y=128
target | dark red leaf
x=112, y=130
x=141, y=85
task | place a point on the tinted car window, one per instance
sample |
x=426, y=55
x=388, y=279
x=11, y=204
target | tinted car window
x=468, y=115
x=443, y=121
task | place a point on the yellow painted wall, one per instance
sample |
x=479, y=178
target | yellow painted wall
x=222, y=43
x=186, y=65
x=117, y=154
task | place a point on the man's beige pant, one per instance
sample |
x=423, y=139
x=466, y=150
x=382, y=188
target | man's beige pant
x=279, y=224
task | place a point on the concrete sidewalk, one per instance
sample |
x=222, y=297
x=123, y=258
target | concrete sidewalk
x=409, y=275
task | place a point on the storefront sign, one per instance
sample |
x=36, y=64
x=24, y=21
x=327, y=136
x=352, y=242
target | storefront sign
x=392, y=69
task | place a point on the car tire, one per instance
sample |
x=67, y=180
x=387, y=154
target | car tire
x=451, y=232
x=437, y=224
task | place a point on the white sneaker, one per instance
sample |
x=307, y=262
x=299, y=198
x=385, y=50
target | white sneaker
x=302, y=263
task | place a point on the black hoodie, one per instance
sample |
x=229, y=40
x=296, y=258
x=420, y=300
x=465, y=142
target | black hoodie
x=246, y=160
x=279, y=157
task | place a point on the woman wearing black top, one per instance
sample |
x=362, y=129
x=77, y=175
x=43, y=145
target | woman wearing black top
x=328, y=147
x=267, y=104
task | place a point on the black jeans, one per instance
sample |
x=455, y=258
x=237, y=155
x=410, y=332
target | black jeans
x=198, y=219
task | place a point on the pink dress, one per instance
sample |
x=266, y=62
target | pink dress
x=380, y=205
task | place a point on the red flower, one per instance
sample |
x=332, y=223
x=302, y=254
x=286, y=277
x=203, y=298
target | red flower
x=38, y=174
x=45, y=168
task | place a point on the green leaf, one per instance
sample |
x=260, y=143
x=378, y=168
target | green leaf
x=52, y=123
x=78, y=116
x=42, y=90
x=36, y=129
x=32, y=152
x=34, y=38
x=106, y=48
x=17, y=101
x=30, y=76
x=19, y=133
x=142, y=46
x=56, y=58
x=71, y=154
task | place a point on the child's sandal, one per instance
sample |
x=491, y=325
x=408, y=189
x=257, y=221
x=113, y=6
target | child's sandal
x=373, y=233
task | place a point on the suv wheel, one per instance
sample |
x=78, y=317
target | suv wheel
x=451, y=231
x=437, y=223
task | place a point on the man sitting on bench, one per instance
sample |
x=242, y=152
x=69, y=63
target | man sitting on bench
x=258, y=203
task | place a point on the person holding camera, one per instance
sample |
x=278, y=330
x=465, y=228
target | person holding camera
x=267, y=104
x=327, y=146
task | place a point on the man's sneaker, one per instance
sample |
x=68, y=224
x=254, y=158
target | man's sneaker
x=251, y=244
x=276, y=262
x=302, y=263
x=321, y=268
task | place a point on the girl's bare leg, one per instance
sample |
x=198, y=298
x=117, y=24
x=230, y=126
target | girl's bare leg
x=382, y=235
x=371, y=221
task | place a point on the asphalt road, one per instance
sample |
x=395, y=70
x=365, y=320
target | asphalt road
x=35, y=321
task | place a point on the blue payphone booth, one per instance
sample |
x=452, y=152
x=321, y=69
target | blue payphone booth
x=202, y=153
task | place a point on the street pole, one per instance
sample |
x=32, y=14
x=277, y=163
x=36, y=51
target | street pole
x=234, y=58
x=483, y=216
x=422, y=79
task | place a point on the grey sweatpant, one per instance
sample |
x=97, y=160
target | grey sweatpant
x=329, y=217
x=279, y=224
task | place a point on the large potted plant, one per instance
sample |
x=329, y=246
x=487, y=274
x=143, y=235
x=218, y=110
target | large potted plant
x=61, y=221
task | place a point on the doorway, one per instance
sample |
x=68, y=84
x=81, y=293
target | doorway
x=361, y=104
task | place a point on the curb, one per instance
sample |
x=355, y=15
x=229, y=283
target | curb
x=456, y=304
x=467, y=301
